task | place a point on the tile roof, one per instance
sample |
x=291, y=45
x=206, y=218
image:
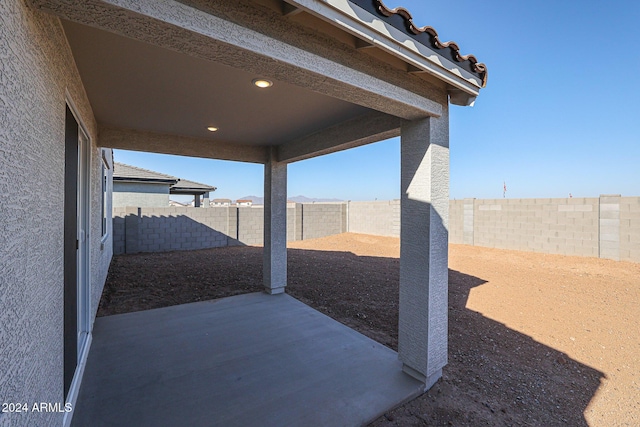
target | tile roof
x=122, y=172
x=185, y=185
x=401, y=19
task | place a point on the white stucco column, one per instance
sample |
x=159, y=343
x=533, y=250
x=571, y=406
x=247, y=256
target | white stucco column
x=206, y=202
x=275, y=225
x=424, y=212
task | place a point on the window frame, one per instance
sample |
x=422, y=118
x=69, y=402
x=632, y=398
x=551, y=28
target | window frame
x=104, y=182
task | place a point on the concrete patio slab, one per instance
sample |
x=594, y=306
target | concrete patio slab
x=248, y=360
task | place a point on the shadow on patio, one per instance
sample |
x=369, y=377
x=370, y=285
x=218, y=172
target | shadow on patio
x=495, y=374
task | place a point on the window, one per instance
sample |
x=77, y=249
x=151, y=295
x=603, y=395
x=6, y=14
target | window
x=105, y=193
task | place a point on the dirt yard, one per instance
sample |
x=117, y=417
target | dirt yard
x=534, y=339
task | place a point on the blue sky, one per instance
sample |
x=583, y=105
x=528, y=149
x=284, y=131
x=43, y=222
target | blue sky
x=560, y=113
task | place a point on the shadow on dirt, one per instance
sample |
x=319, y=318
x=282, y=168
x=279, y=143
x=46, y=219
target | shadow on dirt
x=495, y=375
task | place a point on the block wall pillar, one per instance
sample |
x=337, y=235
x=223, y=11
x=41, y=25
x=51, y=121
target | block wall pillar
x=609, y=229
x=467, y=227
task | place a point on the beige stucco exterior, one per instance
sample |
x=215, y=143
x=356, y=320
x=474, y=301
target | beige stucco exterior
x=140, y=194
x=38, y=77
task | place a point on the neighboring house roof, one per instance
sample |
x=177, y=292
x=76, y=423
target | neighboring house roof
x=122, y=172
x=221, y=200
x=184, y=186
x=244, y=201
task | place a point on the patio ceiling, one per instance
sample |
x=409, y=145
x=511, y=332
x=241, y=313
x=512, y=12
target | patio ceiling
x=344, y=73
x=136, y=85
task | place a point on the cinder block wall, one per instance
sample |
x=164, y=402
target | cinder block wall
x=605, y=227
x=456, y=221
x=251, y=225
x=169, y=229
x=323, y=219
x=380, y=218
x=630, y=229
x=118, y=216
x=292, y=223
x=154, y=229
x=556, y=226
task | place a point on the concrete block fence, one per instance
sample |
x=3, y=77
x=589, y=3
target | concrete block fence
x=607, y=226
x=381, y=218
x=160, y=229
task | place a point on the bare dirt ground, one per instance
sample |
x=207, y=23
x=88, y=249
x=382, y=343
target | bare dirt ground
x=534, y=339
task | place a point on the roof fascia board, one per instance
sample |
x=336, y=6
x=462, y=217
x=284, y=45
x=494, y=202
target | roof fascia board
x=377, y=32
x=188, y=192
x=183, y=28
x=366, y=129
x=204, y=188
x=145, y=180
x=129, y=139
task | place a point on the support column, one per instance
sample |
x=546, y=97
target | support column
x=424, y=213
x=275, y=225
x=206, y=202
x=196, y=200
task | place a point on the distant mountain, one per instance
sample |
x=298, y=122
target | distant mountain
x=298, y=199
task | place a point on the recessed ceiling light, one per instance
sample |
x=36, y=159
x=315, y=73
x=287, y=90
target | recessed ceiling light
x=212, y=128
x=262, y=83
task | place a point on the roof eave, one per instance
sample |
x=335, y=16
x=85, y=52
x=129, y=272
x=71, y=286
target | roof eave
x=463, y=99
x=187, y=190
x=145, y=180
x=375, y=31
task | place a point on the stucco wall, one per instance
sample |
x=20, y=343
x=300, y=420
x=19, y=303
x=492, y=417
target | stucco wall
x=101, y=247
x=140, y=195
x=36, y=70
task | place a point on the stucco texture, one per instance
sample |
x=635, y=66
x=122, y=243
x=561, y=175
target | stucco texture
x=142, y=195
x=36, y=68
x=422, y=334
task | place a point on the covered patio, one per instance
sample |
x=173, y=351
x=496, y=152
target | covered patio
x=248, y=360
x=274, y=82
